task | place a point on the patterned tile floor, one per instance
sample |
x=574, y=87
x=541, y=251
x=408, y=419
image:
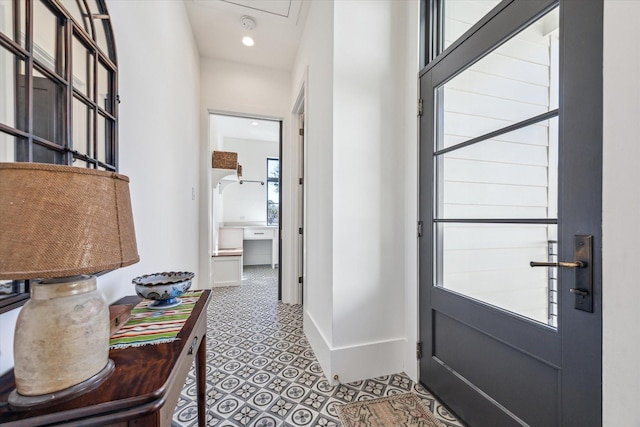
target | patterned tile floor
x=262, y=372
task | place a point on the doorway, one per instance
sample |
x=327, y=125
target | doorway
x=510, y=199
x=249, y=200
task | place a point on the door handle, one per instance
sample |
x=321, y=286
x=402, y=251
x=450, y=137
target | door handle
x=574, y=264
x=583, y=291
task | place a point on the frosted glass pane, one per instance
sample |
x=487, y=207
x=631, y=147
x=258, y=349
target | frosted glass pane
x=490, y=263
x=516, y=81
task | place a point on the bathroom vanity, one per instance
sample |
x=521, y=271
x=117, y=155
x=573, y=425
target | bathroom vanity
x=261, y=232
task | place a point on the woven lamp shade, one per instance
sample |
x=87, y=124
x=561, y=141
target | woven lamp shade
x=59, y=221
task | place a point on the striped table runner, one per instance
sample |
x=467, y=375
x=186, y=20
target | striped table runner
x=148, y=326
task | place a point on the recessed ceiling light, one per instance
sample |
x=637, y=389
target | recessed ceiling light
x=247, y=41
x=254, y=123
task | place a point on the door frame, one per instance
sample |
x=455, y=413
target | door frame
x=299, y=195
x=581, y=28
x=206, y=246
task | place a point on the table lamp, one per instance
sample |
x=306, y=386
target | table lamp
x=60, y=225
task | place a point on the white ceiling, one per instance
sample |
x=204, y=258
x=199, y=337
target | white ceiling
x=218, y=30
x=246, y=128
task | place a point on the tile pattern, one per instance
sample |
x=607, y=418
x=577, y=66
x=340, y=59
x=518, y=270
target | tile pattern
x=262, y=372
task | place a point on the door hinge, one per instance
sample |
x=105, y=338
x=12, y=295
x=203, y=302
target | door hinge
x=300, y=230
x=300, y=181
x=301, y=132
x=420, y=106
x=419, y=228
x=419, y=350
x=300, y=279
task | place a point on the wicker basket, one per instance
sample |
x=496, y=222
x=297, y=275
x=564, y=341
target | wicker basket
x=225, y=160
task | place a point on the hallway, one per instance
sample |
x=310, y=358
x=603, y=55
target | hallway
x=262, y=372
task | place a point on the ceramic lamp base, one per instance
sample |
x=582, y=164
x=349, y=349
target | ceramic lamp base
x=62, y=336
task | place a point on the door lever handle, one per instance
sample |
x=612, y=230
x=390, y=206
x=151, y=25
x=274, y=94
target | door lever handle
x=580, y=292
x=573, y=264
x=583, y=272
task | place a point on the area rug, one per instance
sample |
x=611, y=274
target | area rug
x=404, y=409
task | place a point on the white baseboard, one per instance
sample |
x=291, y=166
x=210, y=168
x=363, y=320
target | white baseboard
x=225, y=284
x=318, y=343
x=370, y=360
x=358, y=362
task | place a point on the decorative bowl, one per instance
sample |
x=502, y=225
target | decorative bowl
x=163, y=288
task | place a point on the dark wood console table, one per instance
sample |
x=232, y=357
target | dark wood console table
x=142, y=390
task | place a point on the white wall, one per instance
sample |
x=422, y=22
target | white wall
x=248, y=202
x=410, y=202
x=354, y=56
x=368, y=159
x=621, y=214
x=158, y=136
x=315, y=62
x=158, y=142
x=228, y=87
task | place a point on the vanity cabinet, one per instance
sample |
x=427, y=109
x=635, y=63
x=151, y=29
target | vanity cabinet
x=264, y=233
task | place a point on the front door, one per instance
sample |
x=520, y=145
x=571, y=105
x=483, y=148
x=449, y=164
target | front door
x=510, y=176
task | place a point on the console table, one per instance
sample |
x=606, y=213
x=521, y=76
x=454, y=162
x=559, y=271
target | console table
x=142, y=390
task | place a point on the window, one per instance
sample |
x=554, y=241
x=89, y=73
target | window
x=273, y=190
x=58, y=86
x=449, y=22
x=496, y=172
x=58, y=83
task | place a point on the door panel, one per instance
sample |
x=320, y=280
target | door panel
x=537, y=382
x=507, y=177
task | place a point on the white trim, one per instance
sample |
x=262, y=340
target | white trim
x=299, y=107
x=355, y=363
x=287, y=286
x=243, y=115
x=318, y=343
